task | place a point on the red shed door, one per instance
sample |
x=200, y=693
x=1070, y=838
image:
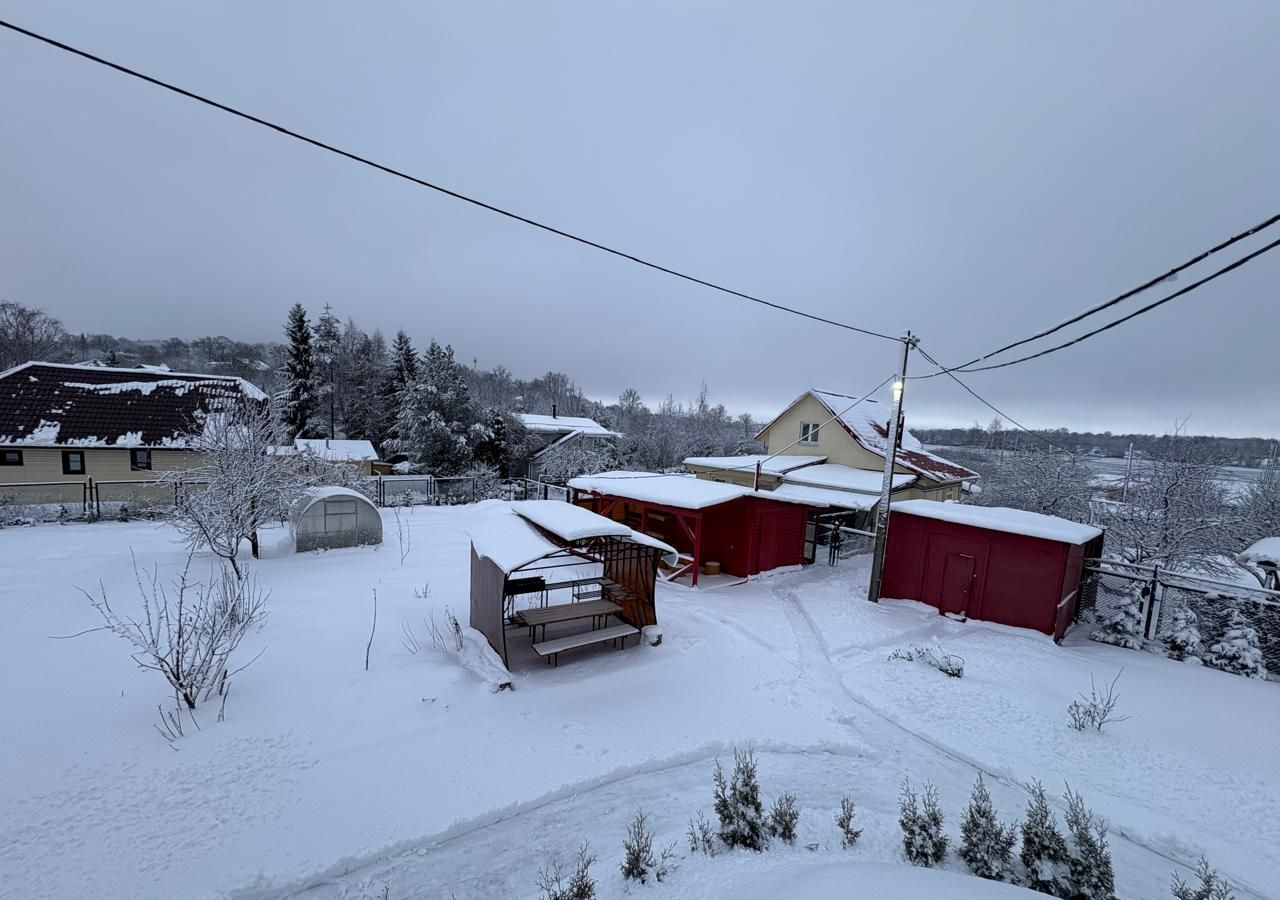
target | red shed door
x=768, y=554
x=957, y=581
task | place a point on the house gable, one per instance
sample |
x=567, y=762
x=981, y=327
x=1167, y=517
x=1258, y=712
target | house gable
x=834, y=440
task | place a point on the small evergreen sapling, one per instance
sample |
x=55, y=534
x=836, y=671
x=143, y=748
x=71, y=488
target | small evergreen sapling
x=737, y=804
x=701, y=838
x=923, y=840
x=1211, y=887
x=1183, y=641
x=1238, y=652
x=580, y=886
x=1122, y=626
x=784, y=816
x=844, y=821
x=1089, y=871
x=986, y=846
x=1044, y=849
x=639, y=862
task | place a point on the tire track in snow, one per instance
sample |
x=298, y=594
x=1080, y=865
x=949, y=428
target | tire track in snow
x=791, y=597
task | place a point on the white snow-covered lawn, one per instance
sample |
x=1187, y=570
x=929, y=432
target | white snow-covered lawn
x=327, y=781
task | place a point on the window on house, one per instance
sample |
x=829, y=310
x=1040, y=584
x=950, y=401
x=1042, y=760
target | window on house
x=139, y=460
x=72, y=462
x=808, y=432
x=11, y=458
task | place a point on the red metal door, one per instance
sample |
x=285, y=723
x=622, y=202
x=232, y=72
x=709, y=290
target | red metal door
x=957, y=582
x=767, y=557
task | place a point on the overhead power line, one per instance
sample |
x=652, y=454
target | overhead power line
x=354, y=157
x=1133, y=315
x=1167, y=276
x=942, y=370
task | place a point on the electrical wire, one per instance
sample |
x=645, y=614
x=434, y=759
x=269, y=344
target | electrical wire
x=1004, y=415
x=1133, y=315
x=457, y=195
x=1167, y=276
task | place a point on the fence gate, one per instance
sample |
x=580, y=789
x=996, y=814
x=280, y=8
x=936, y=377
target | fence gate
x=830, y=536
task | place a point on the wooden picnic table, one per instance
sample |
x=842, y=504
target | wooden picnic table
x=543, y=616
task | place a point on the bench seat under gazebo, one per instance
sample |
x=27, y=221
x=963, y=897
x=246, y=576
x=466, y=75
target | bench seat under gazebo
x=518, y=552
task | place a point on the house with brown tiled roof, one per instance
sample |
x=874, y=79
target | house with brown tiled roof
x=70, y=423
x=829, y=447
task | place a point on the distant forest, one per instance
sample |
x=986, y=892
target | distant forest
x=1248, y=452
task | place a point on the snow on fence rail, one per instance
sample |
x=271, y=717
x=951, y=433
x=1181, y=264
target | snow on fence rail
x=1163, y=595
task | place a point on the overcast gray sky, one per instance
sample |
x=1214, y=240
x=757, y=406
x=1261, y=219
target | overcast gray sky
x=967, y=170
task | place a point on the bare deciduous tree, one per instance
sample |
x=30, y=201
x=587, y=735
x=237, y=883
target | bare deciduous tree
x=188, y=632
x=28, y=334
x=1054, y=484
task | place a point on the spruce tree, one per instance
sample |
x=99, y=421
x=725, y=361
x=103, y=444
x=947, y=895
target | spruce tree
x=1044, y=849
x=986, y=846
x=923, y=841
x=298, y=396
x=1122, y=625
x=1239, y=651
x=325, y=357
x=1089, y=872
x=738, y=806
x=1212, y=886
x=1183, y=641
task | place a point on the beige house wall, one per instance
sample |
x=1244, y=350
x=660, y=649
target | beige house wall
x=100, y=464
x=744, y=477
x=834, y=441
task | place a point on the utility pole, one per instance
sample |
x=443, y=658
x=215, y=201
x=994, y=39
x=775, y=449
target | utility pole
x=1128, y=470
x=890, y=458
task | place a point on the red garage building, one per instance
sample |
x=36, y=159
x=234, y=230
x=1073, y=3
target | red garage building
x=1001, y=565
x=744, y=530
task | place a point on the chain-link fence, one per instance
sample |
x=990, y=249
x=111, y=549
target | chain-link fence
x=43, y=501
x=1109, y=584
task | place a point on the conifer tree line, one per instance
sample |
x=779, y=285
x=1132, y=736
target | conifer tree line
x=448, y=418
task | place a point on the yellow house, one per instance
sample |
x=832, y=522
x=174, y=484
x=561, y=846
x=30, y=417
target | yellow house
x=68, y=430
x=830, y=447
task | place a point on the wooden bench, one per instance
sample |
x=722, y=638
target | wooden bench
x=553, y=648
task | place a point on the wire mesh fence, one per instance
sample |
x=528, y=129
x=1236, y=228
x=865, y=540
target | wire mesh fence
x=1109, y=585
x=42, y=501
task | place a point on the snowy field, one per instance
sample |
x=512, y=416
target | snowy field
x=415, y=780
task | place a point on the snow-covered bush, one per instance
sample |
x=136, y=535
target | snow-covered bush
x=580, y=886
x=1238, y=652
x=1097, y=710
x=1212, y=886
x=1089, y=872
x=1183, y=641
x=1044, y=849
x=986, y=846
x=701, y=838
x=737, y=804
x=923, y=840
x=947, y=663
x=844, y=821
x=1122, y=625
x=188, y=634
x=638, y=860
x=784, y=816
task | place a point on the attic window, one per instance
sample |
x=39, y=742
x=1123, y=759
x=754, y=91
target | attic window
x=139, y=460
x=11, y=458
x=808, y=432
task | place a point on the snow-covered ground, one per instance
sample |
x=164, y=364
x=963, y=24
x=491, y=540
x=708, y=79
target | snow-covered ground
x=327, y=781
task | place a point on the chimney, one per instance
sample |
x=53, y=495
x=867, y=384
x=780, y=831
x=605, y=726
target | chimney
x=553, y=409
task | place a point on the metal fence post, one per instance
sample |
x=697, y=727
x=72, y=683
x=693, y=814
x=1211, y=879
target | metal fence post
x=1152, y=624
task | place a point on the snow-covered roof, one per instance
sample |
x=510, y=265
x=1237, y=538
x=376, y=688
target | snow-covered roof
x=1265, y=552
x=572, y=523
x=540, y=424
x=769, y=465
x=999, y=518
x=55, y=404
x=845, y=478
x=680, y=491
x=511, y=541
x=329, y=449
x=828, y=496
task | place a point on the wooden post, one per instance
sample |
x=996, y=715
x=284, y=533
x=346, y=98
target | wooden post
x=697, y=548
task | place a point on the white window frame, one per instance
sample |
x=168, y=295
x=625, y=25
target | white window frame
x=809, y=433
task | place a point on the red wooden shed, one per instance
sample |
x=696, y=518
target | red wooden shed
x=1001, y=565
x=745, y=531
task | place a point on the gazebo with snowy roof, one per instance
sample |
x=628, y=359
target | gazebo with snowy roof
x=550, y=551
